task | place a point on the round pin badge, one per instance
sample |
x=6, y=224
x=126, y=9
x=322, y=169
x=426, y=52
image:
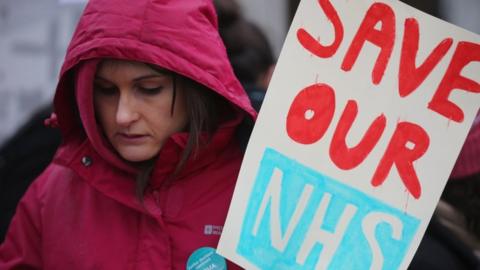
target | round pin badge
x=206, y=258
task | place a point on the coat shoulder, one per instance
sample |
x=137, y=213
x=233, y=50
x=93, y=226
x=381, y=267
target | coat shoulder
x=55, y=179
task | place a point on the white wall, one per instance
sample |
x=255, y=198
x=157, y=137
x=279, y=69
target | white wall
x=464, y=13
x=271, y=16
x=34, y=36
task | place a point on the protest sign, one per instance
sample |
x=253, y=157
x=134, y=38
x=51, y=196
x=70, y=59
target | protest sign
x=362, y=123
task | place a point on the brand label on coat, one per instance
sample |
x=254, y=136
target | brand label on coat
x=212, y=230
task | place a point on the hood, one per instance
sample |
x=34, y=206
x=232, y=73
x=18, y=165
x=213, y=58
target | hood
x=180, y=36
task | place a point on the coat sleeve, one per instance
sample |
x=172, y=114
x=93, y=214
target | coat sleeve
x=21, y=248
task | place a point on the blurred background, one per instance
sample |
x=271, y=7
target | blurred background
x=34, y=35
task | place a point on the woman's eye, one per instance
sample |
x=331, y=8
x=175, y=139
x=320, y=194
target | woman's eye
x=150, y=90
x=106, y=91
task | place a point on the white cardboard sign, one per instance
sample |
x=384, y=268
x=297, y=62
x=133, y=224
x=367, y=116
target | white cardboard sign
x=362, y=123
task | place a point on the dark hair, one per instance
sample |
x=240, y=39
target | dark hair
x=228, y=11
x=248, y=48
x=206, y=110
x=464, y=195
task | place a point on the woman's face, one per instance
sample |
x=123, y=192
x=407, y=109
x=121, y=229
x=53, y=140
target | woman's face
x=133, y=104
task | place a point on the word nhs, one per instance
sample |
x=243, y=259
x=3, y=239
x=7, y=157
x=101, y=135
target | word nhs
x=298, y=218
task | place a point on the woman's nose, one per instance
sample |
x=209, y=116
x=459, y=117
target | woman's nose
x=126, y=111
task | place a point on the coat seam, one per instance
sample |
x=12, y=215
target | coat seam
x=142, y=25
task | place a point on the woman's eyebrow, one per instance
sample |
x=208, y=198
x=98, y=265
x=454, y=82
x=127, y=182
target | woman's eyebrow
x=148, y=77
x=98, y=77
x=143, y=77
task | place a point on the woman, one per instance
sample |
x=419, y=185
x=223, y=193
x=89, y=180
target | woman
x=148, y=107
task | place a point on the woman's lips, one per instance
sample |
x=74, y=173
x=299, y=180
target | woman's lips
x=131, y=138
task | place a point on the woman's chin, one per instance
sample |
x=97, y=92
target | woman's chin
x=137, y=154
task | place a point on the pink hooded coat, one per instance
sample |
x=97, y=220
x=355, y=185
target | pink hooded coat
x=82, y=212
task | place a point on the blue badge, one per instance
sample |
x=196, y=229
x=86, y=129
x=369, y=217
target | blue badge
x=206, y=258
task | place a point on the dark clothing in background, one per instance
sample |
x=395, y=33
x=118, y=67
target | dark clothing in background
x=256, y=95
x=22, y=159
x=440, y=249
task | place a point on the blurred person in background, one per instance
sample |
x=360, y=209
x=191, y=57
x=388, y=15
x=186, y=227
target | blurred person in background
x=250, y=54
x=22, y=158
x=148, y=107
x=248, y=49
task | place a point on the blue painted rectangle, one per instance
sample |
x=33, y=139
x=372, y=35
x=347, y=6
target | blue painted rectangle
x=354, y=250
